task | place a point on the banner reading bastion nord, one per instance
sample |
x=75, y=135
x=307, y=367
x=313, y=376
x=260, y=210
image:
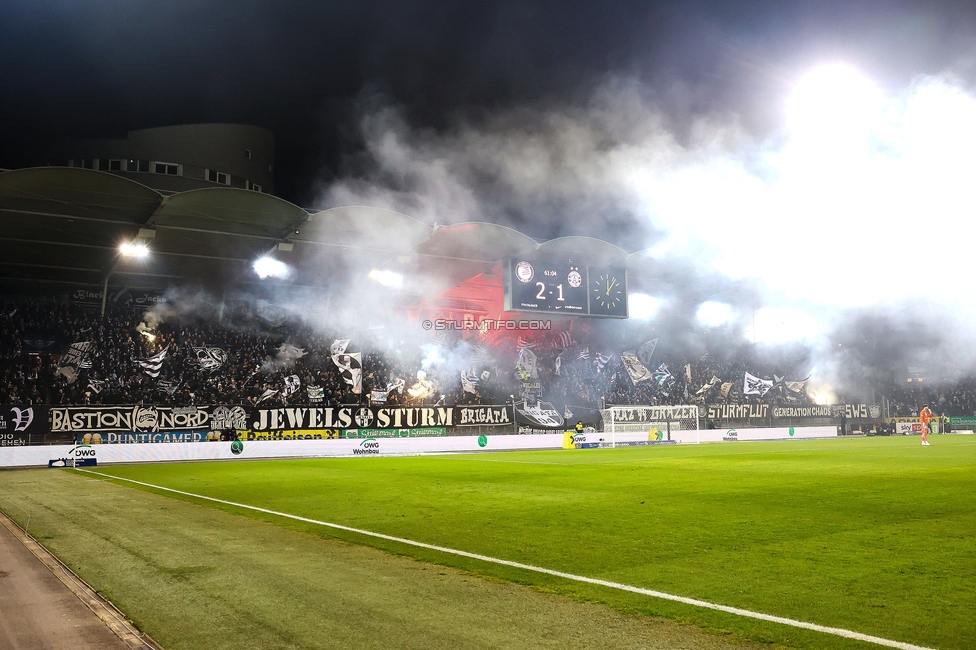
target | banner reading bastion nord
x=140, y=419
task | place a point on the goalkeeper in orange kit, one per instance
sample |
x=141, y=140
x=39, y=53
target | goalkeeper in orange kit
x=926, y=415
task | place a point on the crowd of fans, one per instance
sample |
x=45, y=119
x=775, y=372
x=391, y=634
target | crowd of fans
x=258, y=368
x=34, y=336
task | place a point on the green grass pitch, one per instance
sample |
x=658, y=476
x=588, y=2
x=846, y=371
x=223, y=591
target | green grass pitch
x=873, y=535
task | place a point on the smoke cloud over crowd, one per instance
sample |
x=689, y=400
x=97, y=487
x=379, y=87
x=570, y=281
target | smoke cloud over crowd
x=853, y=211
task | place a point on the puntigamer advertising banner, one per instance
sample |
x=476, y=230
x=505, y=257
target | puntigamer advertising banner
x=113, y=437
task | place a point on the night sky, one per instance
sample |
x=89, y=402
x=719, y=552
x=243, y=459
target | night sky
x=308, y=71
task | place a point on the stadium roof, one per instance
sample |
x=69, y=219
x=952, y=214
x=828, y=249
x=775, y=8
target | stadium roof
x=65, y=225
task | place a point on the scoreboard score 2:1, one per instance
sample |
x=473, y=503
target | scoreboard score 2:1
x=565, y=286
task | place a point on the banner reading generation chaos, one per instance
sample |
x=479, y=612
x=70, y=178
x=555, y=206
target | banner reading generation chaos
x=377, y=417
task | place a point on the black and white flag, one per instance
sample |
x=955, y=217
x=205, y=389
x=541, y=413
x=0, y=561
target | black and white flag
x=209, y=358
x=528, y=362
x=469, y=381
x=395, y=385
x=480, y=356
x=752, y=385
x=153, y=364
x=564, y=340
x=637, y=371
x=584, y=354
x=292, y=384
x=76, y=357
x=267, y=394
x=97, y=386
x=168, y=387
x=601, y=361
x=646, y=351
x=712, y=383
x=339, y=346
x=351, y=368
x=289, y=352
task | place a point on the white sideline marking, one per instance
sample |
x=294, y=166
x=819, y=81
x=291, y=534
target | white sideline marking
x=836, y=631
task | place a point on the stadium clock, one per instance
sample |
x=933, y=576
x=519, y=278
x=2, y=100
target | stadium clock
x=608, y=292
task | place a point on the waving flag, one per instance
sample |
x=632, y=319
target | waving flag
x=646, y=351
x=152, y=365
x=469, y=381
x=77, y=356
x=662, y=375
x=267, y=394
x=289, y=352
x=752, y=385
x=564, y=340
x=351, y=368
x=209, y=358
x=292, y=384
x=637, y=371
x=527, y=361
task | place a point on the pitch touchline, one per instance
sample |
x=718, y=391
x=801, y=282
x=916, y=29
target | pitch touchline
x=836, y=631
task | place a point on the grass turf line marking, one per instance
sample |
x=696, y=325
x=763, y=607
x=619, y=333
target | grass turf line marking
x=836, y=631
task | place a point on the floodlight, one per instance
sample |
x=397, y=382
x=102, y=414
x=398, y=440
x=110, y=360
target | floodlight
x=270, y=267
x=386, y=278
x=134, y=249
x=643, y=306
x=714, y=314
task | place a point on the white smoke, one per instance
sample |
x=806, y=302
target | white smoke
x=860, y=200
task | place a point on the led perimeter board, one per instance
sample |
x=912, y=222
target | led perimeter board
x=565, y=285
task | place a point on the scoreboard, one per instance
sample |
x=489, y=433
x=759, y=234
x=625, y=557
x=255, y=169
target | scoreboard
x=565, y=285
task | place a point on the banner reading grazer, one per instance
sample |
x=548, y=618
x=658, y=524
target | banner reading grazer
x=351, y=417
x=100, y=419
x=654, y=414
